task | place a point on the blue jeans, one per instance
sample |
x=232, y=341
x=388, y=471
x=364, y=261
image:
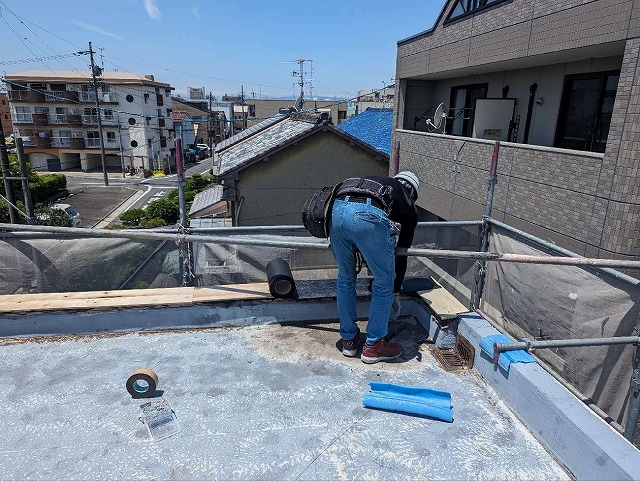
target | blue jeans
x=363, y=226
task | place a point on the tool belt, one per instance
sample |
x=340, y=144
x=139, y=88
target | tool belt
x=360, y=189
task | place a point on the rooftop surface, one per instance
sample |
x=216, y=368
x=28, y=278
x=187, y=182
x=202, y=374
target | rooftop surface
x=255, y=402
x=372, y=126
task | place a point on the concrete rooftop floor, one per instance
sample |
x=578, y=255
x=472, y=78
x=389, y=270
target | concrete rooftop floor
x=258, y=402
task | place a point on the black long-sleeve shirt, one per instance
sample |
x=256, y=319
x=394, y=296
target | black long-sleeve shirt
x=405, y=212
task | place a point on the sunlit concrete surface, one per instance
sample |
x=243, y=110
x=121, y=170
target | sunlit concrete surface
x=262, y=402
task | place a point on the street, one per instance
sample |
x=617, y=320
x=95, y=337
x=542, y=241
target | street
x=99, y=205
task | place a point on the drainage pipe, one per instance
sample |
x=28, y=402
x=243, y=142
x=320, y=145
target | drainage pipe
x=434, y=253
x=550, y=370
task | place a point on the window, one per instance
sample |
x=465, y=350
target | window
x=111, y=136
x=462, y=108
x=93, y=134
x=342, y=114
x=108, y=114
x=38, y=86
x=467, y=7
x=4, y=102
x=42, y=110
x=585, y=111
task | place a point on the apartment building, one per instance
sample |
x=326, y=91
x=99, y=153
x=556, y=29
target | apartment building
x=5, y=114
x=56, y=115
x=558, y=83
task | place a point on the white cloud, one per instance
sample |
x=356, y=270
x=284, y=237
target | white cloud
x=152, y=10
x=196, y=11
x=93, y=28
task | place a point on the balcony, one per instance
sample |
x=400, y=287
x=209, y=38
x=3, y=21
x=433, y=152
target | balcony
x=76, y=143
x=58, y=119
x=22, y=119
x=40, y=119
x=61, y=96
x=107, y=97
x=89, y=120
x=42, y=142
x=95, y=143
x=74, y=120
x=30, y=96
x=60, y=142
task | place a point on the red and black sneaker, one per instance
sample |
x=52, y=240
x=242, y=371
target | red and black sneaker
x=380, y=351
x=350, y=348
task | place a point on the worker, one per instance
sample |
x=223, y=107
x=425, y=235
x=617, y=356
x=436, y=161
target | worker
x=372, y=214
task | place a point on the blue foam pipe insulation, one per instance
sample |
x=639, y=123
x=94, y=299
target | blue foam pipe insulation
x=419, y=401
x=506, y=358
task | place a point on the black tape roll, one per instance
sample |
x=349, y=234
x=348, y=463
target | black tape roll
x=281, y=283
x=142, y=383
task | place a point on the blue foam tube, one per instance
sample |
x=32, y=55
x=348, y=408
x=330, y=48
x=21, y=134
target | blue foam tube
x=419, y=401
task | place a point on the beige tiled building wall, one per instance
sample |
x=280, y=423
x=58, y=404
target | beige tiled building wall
x=583, y=201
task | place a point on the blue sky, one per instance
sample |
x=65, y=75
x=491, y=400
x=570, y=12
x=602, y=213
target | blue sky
x=220, y=44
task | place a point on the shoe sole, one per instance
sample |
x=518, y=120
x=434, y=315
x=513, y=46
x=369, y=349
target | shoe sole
x=374, y=360
x=349, y=352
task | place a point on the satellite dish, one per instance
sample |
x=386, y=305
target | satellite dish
x=438, y=118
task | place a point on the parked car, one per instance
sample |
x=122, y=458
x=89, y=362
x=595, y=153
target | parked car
x=204, y=148
x=74, y=215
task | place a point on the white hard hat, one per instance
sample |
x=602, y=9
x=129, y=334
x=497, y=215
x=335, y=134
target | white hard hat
x=411, y=179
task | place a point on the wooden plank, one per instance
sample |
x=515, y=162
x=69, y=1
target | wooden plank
x=96, y=303
x=132, y=298
x=232, y=292
x=442, y=303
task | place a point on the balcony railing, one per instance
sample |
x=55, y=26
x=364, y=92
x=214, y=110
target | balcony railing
x=60, y=96
x=93, y=120
x=22, y=118
x=31, y=96
x=108, y=143
x=60, y=142
x=104, y=97
x=58, y=119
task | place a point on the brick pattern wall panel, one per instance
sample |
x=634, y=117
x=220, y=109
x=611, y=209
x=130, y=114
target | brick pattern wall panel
x=519, y=29
x=436, y=200
x=449, y=57
x=471, y=183
x=590, y=24
x=574, y=245
x=466, y=209
x=634, y=23
x=621, y=229
x=559, y=210
x=476, y=155
x=506, y=15
x=580, y=172
x=503, y=44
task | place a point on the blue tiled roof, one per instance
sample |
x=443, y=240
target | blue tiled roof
x=372, y=126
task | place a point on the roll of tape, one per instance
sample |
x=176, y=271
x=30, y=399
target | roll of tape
x=142, y=383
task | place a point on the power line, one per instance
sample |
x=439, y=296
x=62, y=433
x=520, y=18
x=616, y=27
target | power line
x=39, y=59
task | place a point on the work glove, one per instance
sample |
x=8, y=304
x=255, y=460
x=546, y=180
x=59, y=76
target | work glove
x=395, y=308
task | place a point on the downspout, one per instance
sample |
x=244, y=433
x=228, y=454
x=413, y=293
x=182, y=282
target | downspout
x=237, y=210
x=527, y=125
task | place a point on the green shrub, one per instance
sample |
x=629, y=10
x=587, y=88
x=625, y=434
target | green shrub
x=197, y=183
x=132, y=216
x=47, y=186
x=54, y=217
x=152, y=223
x=117, y=227
x=164, y=209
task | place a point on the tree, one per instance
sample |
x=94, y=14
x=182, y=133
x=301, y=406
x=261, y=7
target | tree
x=132, y=216
x=164, y=209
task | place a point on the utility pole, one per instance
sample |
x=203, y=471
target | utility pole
x=95, y=69
x=211, y=136
x=6, y=173
x=121, y=151
x=244, y=117
x=26, y=190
